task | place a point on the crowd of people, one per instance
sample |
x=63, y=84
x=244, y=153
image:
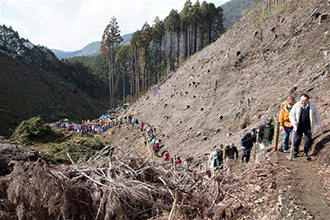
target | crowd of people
x=94, y=127
x=296, y=119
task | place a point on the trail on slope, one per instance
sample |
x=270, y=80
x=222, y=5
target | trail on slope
x=302, y=189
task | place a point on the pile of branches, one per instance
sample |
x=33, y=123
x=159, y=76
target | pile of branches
x=114, y=186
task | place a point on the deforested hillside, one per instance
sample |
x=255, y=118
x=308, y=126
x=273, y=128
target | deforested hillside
x=238, y=81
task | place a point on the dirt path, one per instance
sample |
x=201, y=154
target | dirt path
x=302, y=191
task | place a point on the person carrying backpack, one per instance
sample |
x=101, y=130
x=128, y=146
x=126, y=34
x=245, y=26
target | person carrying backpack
x=285, y=124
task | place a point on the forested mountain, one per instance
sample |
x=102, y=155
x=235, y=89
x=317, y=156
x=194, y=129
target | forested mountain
x=156, y=50
x=34, y=82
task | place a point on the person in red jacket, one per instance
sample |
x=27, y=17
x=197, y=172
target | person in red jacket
x=177, y=161
x=166, y=155
x=156, y=148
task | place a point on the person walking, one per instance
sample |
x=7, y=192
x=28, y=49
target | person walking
x=266, y=133
x=247, y=142
x=285, y=124
x=303, y=116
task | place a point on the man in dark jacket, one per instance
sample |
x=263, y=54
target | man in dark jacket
x=231, y=152
x=266, y=132
x=247, y=142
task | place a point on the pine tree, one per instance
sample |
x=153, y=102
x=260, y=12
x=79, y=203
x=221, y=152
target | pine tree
x=110, y=40
x=158, y=32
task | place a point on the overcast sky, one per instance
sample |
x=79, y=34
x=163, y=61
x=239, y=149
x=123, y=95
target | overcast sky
x=72, y=24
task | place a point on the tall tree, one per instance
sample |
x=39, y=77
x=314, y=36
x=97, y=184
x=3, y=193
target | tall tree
x=158, y=32
x=135, y=43
x=124, y=58
x=172, y=26
x=144, y=42
x=110, y=40
x=185, y=23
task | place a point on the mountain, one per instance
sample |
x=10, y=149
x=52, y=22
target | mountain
x=233, y=10
x=92, y=49
x=34, y=82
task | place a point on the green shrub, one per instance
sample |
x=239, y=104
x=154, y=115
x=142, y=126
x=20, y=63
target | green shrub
x=34, y=129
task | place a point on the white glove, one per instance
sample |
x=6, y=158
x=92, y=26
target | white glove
x=318, y=127
x=281, y=128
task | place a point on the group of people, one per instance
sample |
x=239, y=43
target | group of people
x=85, y=127
x=299, y=120
x=150, y=133
x=296, y=119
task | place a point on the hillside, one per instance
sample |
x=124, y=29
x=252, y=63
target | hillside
x=34, y=82
x=242, y=78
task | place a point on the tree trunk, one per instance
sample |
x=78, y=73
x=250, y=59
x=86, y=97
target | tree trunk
x=165, y=54
x=109, y=65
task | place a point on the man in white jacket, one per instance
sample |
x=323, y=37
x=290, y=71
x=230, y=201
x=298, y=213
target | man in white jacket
x=303, y=116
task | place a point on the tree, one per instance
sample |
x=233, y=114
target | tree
x=124, y=58
x=185, y=23
x=172, y=26
x=158, y=32
x=110, y=40
x=135, y=43
x=144, y=61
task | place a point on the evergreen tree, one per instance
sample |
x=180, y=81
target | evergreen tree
x=135, y=43
x=110, y=40
x=158, y=32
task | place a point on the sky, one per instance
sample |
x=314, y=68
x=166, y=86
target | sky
x=70, y=25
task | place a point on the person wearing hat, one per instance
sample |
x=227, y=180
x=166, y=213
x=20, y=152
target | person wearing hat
x=303, y=116
x=266, y=133
x=285, y=124
x=247, y=142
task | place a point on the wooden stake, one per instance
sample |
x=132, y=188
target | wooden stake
x=224, y=157
x=276, y=135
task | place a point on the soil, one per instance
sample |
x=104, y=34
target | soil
x=301, y=190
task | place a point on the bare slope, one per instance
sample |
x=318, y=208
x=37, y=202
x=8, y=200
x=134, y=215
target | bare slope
x=243, y=78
